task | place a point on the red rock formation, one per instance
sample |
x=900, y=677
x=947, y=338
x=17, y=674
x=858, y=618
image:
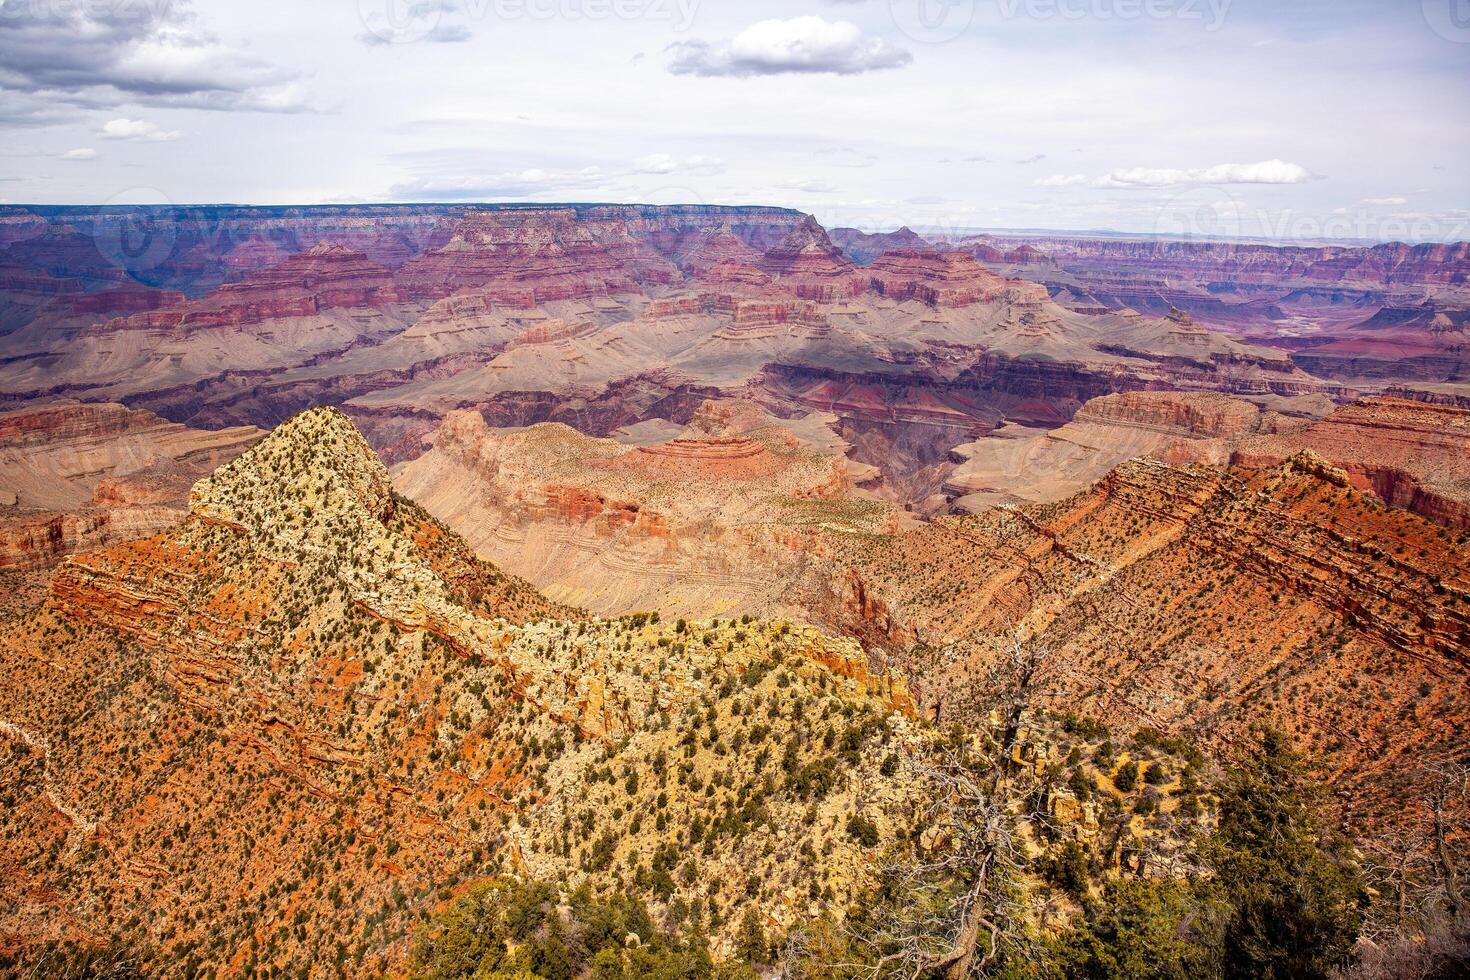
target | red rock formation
x=942, y=279
x=75, y=477
x=730, y=458
x=121, y=301
x=761, y=317
x=1200, y=600
x=697, y=249
x=1390, y=264
x=807, y=262
x=1427, y=342
x=1411, y=454
x=1202, y=414
x=32, y=539
x=539, y=255
x=863, y=247
x=324, y=277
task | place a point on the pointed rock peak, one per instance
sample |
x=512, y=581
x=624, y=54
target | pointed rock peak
x=329, y=248
x=313, y=476
x=1312, y=463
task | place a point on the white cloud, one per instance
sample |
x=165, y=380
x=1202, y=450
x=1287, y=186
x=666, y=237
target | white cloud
x=137, y=130
x=82, y=153
x=1386, y=200
x=663, y=163
x=90, y=54
x=807, y=45
x=808, y=186
x=1265, y=172
x=1065, y=180
x=847, y=156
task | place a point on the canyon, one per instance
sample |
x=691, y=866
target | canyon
x=354, y=555
x=598, y=316
x=1360, y=314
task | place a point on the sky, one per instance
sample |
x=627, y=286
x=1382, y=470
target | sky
x=1279, y=119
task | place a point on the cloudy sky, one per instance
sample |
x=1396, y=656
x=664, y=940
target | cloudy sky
x=1279, y=118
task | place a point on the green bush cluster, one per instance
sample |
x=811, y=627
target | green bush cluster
x=508, y=928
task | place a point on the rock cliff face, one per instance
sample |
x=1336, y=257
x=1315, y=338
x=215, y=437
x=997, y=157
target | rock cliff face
x=1019, y=464
x=1354, y=313
x=1410, y=454
x=32, y=539
x=1198, y=414
x=807, y=262
x=310, y=665
x=1429, y=342
x=933, y=277
x=526, y=257
x=75, y=477
x=305, y=284
x=603, y=316
x=1201, y=600
x=1379, y=265
x=864, y=247
x=197, y=249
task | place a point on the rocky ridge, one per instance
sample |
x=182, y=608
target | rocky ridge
x=1410, y=454
x=1199, y=599
x=369, y=713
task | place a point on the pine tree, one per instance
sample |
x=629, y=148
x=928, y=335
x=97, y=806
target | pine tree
x=1292, y=898
x=751, y=944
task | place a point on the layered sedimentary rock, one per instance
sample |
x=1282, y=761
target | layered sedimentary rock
x=194, y=249
x=1200, y=600
x=808, y=262
x=1395, y=263
x=1411, y=454
x=74, y=477
x=933, y=277
x=1017, y=463
x=1369, y=314
x=1428, y=342
x=305, y=284
x=599, y=317
x=864, y=247
x=537, y=255
x=719, y=518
